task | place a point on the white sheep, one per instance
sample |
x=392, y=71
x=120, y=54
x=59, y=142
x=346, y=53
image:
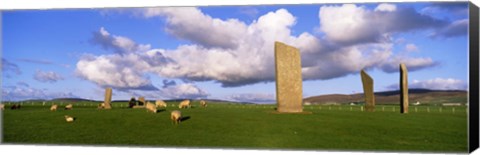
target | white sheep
x=160, y=103
x=54, y=107
x=2, y=106
x=69, y=118
x=184, y=104
x=176, y=116
x=101, y=106
x=69, y=107
x=151, y=107
x=203, y=103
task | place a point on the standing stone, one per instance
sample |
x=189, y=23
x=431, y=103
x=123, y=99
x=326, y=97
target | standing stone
x=369, y=96
x=141, y=101
x=108, y=98
x=403, y=89
x=288, y=74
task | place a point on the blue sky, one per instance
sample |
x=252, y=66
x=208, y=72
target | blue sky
x=226, y=52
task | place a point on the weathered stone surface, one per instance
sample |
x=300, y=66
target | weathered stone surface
x=403, y=89
x=368, y=92
x=141, y=101
x=108, y=98
x=288, y=78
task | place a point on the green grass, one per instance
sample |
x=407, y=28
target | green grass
x=244, y=126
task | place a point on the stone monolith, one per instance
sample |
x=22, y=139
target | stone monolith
x=288, y=78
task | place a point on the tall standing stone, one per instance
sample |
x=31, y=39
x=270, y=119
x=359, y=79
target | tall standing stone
x=108, y=98
x=369, y=96
x=288, y=74
x=403, y=89
x=141, y=101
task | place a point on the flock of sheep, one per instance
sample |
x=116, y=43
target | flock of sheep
x=175, y=115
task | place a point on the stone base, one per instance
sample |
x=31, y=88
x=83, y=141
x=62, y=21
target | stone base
x=289, y=110
x=370, y=108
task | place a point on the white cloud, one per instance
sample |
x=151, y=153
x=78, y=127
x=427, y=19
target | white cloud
x=440, y=84
x=48, y=76
x=350, y=24
x=386, y=7
x=230, y=66
x=347, y=60
x=411, y=47
x=191, y=24
x=22, y=91
x=456, y=28
x=347, y=23
x=7, y=67
x=117, y=71
x=453, y=8
x=184, y=91
x=413, y=64
x=253, y=97
x=118, y=44
x=435, y=84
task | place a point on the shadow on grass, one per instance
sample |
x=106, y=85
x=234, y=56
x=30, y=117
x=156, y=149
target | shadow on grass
x=184, y=118
x=160, y=110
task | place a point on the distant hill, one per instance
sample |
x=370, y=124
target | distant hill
x=424, y=96
x=179, y=100
x=72, y=100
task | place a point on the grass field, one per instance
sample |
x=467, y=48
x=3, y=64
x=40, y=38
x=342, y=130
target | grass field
x=426, y=129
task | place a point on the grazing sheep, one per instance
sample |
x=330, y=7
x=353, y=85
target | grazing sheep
x=2, y=106
x=184, y=104
x=101, y=106
x=176, y=116
x=69, y=118
x=132, y=102
x=54, y=107
x=68, y=107
x=203, y=103
x=151, y=107
x=160, y=103
x=15, y=106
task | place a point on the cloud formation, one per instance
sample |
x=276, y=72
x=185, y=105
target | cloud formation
x=117, y=44
x=456, y=28
x=44, y=62
x=48, y=76
x=411, y=47
x=386, y=7
x=234, y=53
x=192, y=24
x=23, y=91
x=440, y=84
x=435, y=84
x=118, y=71
x=8, y=67
x=452, y=7
x=253, y=97
x=351, y=24
x=183, y=91
x=413, y=64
